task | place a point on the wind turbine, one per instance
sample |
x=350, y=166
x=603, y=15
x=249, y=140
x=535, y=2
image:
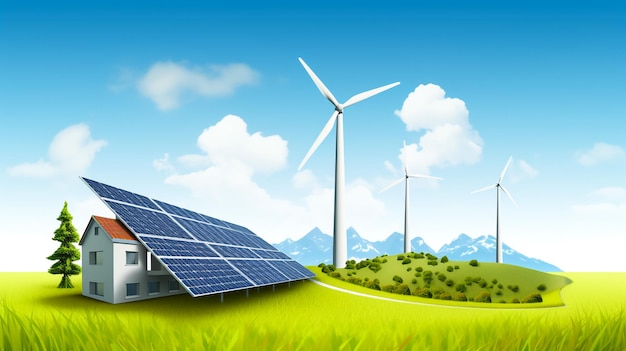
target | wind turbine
x=340, y=240
x=499, y=186
x=407, y=240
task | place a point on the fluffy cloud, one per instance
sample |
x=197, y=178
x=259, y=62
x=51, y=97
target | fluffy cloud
x=599, y=153
x=166, y=83
x=70, y=153
x=449, y=139
x=611, y=192
x=163, y=164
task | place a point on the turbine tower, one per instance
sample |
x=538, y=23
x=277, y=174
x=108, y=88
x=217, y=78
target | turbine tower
x=499, y=186
x=340, y=240
x=407, y=239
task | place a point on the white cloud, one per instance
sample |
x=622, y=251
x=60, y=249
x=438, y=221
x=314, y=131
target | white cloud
x=611, y=192
x=449, y=139
x=599, y=153
x=519, y=170
x=70, y=153
x=166, y=83
x=227, y=188
x=163, y=164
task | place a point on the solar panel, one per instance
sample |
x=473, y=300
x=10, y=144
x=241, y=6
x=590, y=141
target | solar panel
x=205, y=254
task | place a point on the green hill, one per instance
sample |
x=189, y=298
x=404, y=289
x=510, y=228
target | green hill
x=424, y=276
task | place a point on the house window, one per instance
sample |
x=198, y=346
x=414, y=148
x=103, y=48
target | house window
x=96, y=230
x=173, y=285
x=132, y=290
x=95, y=258
x=132, y=257
x=96, y=288
x=154, y=287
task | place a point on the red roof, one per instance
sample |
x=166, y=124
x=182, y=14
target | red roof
x=114, y=228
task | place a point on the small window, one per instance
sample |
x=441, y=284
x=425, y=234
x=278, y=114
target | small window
x=132, y=289
x=96, y=288
x=174, y=285
x=96, y=230
x=154, y=287
x=132, y=257
x=95, y=258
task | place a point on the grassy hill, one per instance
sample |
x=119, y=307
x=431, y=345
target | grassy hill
x=436, y=278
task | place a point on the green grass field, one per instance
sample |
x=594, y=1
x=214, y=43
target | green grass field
x=35, y=315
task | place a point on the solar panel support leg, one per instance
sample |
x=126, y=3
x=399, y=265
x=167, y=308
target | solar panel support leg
x=246, y=293
x=221, y=297
x=273, y=287
x=289, y=285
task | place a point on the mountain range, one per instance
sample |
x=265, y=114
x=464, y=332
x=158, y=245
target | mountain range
x=316, y=247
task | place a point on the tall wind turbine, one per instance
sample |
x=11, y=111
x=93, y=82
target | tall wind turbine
x=340, y=240
x=407, y=239
x=499, y=186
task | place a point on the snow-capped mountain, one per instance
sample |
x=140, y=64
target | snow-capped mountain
x=316, y=247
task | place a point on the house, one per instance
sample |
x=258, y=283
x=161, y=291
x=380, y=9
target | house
x=117, y=267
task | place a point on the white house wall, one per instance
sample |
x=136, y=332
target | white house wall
x=97, y=273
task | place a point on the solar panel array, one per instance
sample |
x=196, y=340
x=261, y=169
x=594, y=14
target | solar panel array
x=205, y=254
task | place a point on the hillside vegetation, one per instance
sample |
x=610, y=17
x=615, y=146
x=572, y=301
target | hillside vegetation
x=427, y=276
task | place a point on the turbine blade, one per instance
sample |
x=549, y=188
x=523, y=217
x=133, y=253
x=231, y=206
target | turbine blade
x=364, y=95
x=320, y=138
x=392, y=185
x=423, y=176
x=509, y=195
x=483, y=189
x=406, y=172
x=318, y=82
x=505, y=168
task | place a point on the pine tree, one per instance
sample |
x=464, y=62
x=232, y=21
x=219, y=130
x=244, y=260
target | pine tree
x=67, y=252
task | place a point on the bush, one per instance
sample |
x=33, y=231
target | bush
x=384, y=260
x=375, y=267
x=335, y=274
x=459, y=296
x=408, y=269
x=388, y=288
x=444, y=259
x=456, y=266
x=476, y=279
x=372, y=285
x=351, y=264
x=422, y=292
x=419, y=255
x=433, y=262
x=406, y=261
x=533, y=298
x=541, y=287
x=376, y=260
x=502, y=301
x=322, y=265
x=494, y=281
x=441, y=277
x=473, y=263
x=431, y=257
x=445, y=296
x=483, y=283
x=400, y=257
x=460, y=288
x=499, y=292
x=449, y=282
x=354, y=280
x=402, y=289
x=419, y=269
x=418, y=274
x=500, y=286
x=449, y=268
x=483, y=297
x=515, y=300
x=468, y=281
x=397, y=279
x=413, y=281
x=513, y=288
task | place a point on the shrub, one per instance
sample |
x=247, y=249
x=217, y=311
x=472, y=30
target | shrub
x=419, y=255
x=473, y=263
x=471, y=299
x=431, y=257
x=384, y=260
x=483, y=297
x=515, y=300
x=375, y=267
x=513, y=288
x=418, y=274
x=372, y=285
x=328, y=268
x=444, y=259
x=449, y=282
x=483, y=283
x=433, y=262
x=502, y=301
x=413, y=281
x=449, y=268
x=456, y=266
x=335, y=274
x=419, y=269
x=408, y=269
x=494, y=281
x=397, y=279
x=402, y=289
x=441, y=277
x=533, y=298
x=500, y=286
x=445, y=296
x=322, y=265
x=499, y=292
x=476, y=279
x=422, y=292
x=350, y=266
x=400, y=257
x=376, y=260
x=459, y=296
x=355, y=280
x=541, y=287
x=427, y=279
x=468, y=281
x=437, y=292
x=406, y=261
x=460, y=288
x=388, y=288
x=366, y=279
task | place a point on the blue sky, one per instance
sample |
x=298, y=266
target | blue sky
x=207, y=107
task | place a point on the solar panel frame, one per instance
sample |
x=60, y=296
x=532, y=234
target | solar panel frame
x=205, y=254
